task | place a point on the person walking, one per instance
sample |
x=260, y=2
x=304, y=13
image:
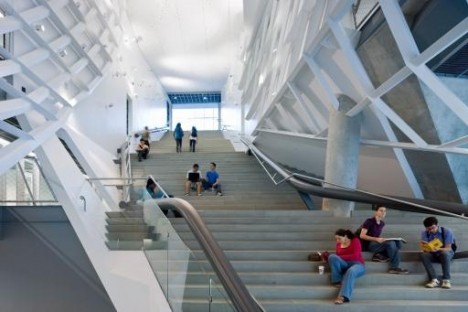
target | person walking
x=193, y=139
x=178, y=135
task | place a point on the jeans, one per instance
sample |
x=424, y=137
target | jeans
x=178, y=145
x=192, y=145
x=444, y=257
x=208, y=185
x=391, y=249
x=345, y=272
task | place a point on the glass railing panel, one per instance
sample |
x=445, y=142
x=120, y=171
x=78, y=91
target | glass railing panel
x=183, y=272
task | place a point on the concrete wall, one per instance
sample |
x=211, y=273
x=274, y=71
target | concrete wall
x=379, y=171
x=45, y=268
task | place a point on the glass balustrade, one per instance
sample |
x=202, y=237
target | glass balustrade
x=185, y=275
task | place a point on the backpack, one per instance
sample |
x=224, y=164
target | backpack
x=454, y=245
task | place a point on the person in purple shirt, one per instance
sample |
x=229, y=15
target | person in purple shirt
x=212, y=180
x=442, y=254
x=371, y=235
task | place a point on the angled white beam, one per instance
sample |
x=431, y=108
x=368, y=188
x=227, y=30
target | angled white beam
x=78, y=29
x=26, y=71
x=457, y=142
x=442, y=43
x=399, y=122
x=332, y=101
x=400, y=29
x=449, y=98
x=9, y=67
x=14, y=131
x=35, y=14
x=287, y=120
x=39, y=95
x=58, y=4
x=60, y=43
x=385, y=87
x=78, y=66
x=351, y=55
x=13, y=107
x=9, y=24
x=34, y=57
x=313, y=125
x=409, y=52
x=8, y=88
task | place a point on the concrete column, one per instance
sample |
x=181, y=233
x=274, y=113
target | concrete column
x=342, y=157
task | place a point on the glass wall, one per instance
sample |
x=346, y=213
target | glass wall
x=203, y=118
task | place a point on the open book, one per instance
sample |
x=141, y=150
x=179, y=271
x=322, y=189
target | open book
x=396, y=238
x=433, y=245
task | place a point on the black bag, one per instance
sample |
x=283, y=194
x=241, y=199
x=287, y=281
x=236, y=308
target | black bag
x=454, y=245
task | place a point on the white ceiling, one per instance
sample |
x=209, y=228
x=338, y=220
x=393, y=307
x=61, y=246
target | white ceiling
x=189, y=44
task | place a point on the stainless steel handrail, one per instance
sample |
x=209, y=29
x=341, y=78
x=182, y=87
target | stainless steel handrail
x=240, y=297
x=300, y=182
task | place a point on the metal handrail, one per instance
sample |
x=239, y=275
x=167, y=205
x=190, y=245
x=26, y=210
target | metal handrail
x=234, y=286
x=302, y=183
x=165, y=195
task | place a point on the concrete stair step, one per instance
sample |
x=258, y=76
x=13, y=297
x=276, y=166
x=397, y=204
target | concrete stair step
x=123, y=221
x=130, y=236
x=129, y=228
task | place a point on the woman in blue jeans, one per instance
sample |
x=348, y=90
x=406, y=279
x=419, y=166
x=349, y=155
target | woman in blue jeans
x=346, y=265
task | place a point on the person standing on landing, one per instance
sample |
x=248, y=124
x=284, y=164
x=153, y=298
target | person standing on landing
x=373, y=241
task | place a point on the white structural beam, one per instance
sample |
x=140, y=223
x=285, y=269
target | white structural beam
x=9, y=89
x=13, y=107
x=14, y=131
x=35, y=14
x=301, y=106
x=9, y=24
x=409, y=52
x=332, y=101
x=399, y=122
x=457, y=142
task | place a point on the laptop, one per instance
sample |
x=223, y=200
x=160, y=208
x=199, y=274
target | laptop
x=194, y=176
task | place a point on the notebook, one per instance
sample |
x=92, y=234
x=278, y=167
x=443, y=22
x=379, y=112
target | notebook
x=194, y=176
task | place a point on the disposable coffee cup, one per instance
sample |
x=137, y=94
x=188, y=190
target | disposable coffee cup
x=321, y=269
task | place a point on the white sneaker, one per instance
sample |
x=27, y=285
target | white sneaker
x=434, y=283
x=446, y=284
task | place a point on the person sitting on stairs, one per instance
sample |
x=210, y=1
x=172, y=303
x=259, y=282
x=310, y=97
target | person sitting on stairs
x=212, y=180
x=193, y=180
x=384, y=250
x=346, y=265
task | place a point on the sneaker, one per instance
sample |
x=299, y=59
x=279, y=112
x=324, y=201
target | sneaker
x=398, y=271
x=380, y=258
x=200, y=194
x=433, y=283
x=187, y=194
x=446, y=284
x=220, y=194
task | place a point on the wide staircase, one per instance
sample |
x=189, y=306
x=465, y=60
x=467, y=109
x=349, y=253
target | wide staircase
x=267, y=234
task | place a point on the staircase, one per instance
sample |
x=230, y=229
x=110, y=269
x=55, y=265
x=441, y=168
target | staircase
x=269, y=250
x=243, y=179
x=267, y=234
